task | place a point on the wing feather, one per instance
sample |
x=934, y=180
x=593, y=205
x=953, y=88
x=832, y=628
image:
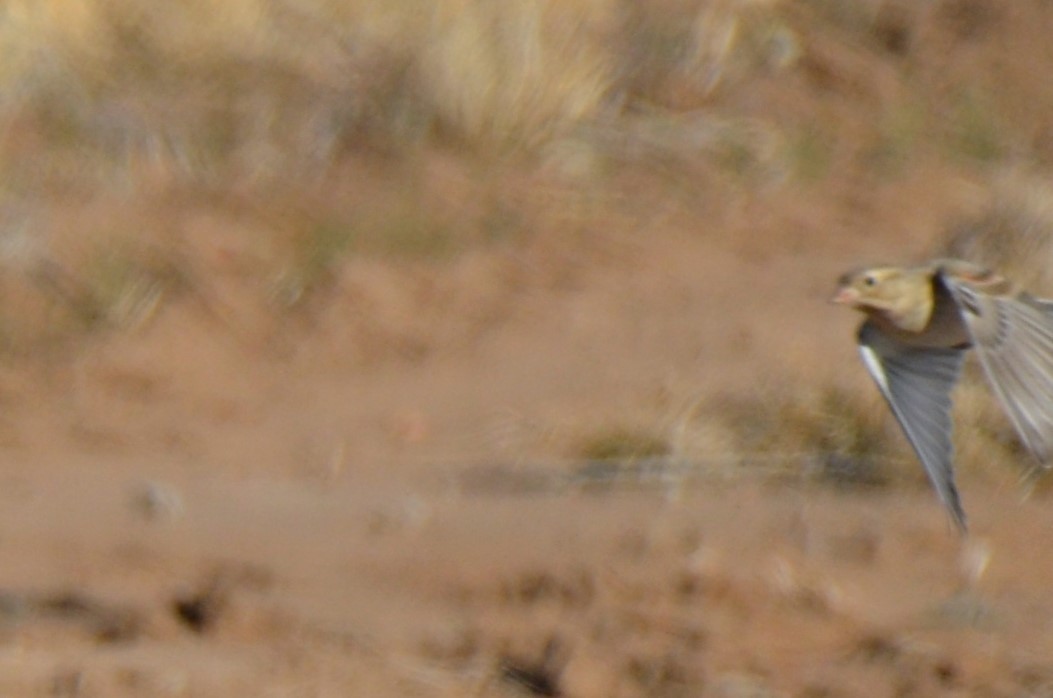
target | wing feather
x=1013, y=337
x=917, y=382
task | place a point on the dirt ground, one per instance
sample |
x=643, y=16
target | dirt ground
x=384, y=492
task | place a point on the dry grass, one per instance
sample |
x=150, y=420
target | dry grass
x=624, y=444
x=264, y=88
x=1013, y=233
x=798, y=431
x=260, y=91
x=831, y=435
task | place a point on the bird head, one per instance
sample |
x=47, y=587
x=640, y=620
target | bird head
x=897, y=297
x=875, y=288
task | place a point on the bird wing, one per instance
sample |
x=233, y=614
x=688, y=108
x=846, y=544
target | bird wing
x=917, y=383
x=1043, y=304
x=1013, y=336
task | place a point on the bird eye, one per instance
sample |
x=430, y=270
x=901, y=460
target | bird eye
x=870, y=280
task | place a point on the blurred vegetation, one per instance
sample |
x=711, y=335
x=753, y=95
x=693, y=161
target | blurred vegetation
x=270, y=93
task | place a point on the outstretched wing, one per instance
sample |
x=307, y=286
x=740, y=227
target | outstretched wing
x=917, y=383
x=1013, y=336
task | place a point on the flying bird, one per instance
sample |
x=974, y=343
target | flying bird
x=919, y=323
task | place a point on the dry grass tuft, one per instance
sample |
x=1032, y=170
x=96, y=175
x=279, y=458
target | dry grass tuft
x=829, y=433
x=116, y=286
x=843, y=437
x=623, y=443
x=1013, y=234
x=514, y=73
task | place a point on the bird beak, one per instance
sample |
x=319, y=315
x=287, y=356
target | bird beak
x=846, y=295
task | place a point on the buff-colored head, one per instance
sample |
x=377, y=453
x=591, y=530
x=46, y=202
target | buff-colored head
x=877, y=288
x=894, y=296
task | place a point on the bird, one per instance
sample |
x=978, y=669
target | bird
x=919, y=323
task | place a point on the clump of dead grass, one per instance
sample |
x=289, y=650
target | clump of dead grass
x=1013, y=233
x=514, y=72
x=115, y=287
x=840, y=436
x=828, y=432
x=623, y=443
x=53, y=305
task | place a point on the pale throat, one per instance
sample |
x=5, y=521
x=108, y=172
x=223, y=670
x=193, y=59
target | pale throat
x=905, y=317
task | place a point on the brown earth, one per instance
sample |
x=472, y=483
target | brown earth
x=383, y=493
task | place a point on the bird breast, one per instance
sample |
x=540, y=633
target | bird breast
x=945, y=327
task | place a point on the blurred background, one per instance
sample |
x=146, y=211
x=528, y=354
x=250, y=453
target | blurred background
x=362, y=347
